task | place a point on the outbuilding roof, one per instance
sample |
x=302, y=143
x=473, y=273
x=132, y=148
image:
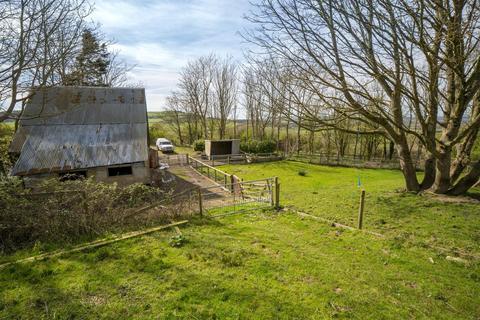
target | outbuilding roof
x=68, y=128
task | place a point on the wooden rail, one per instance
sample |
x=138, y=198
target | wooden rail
x=220, y=177
x=227, y=159
x=94, y=244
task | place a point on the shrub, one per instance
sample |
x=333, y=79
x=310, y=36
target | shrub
x=302, y=173
x=50, y=215
x=256, y=146
x=6, y=132
x=199, y=145
x=157, y=130
x=266, y=146
x=249, y=146
x=177, y=241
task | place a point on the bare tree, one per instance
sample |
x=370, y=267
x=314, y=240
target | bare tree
x=257, y=102
x=175, y=120
x=196, y=84
x=182, y=114
x=37, y=37
x=385, y=63
x=117, y=71
x=225, y=90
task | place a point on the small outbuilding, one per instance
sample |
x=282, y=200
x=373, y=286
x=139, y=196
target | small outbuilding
x=221, y=147
x=84, y=131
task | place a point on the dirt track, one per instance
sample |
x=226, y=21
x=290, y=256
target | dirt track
x=187, y=178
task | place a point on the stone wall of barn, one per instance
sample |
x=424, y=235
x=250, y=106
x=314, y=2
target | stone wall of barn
x=141, y=173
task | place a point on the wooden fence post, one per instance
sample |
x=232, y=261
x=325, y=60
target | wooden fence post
x=360, y=210
x=271, y=186
x=277, y=194
x=232, y=181
x=188, y=159
x=200, y=204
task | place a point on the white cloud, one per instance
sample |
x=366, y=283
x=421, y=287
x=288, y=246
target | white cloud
x=159, y=37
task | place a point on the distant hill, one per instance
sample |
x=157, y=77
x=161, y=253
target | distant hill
x=160, y=116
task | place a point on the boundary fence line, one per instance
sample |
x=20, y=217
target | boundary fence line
x=231, y=188
x=349, y=161
x=245, y=196
x=240, y=196
x=217, y=160
x=227, y=189
x=243, y=158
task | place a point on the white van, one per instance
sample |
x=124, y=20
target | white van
x=165, y=145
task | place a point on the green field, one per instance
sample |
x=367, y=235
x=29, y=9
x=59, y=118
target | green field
x=269, y=265
x=334, y=193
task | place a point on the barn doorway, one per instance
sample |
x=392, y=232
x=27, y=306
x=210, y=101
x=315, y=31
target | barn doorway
x=221, y=148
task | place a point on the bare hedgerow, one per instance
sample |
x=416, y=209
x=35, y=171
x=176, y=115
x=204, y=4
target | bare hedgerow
x=73, y=210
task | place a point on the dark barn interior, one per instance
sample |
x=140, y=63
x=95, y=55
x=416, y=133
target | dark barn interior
x=221, y=148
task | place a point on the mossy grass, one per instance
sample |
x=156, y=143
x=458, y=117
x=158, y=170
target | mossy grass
x=266, y=264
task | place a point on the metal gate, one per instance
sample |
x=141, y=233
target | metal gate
x=215, y=200
x=173, y=159
x=240, y=196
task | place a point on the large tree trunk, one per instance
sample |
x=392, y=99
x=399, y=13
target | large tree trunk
x=429, y=176
x=442, y=175
x=463, y=155
x=408, y=169
x=392, y=150
x=468, y=181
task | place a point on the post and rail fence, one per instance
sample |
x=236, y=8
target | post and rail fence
x=350, y=160
x=243, y=158
x=220, y=177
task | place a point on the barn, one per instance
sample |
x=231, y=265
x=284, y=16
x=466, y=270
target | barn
x=83, y=131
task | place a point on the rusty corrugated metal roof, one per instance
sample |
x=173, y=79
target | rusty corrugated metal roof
x=85, y=105
x=18, y=139
x=66, y=128
x=59, y=147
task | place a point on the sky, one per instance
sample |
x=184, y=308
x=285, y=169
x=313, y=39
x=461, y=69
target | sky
x=159, y=37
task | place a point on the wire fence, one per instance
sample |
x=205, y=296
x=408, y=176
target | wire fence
x=245, y=195
x=217, y=160
x=220, y=200
x=350, y=160
x=173, y=159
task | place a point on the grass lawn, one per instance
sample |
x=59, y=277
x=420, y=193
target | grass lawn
x=333, y=193
x=261, y=266
x=185, y=150
x=269, y=265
